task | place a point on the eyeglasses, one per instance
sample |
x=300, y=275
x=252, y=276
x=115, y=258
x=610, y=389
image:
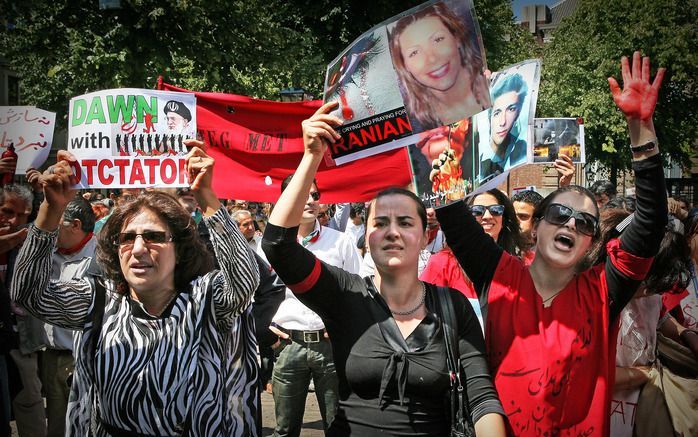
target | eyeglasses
x=479, y=210
x=321, y=214
x=315, y=195
x=585, y=223
x=149, y=237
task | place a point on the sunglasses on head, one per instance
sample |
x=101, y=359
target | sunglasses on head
x=479, y=210
x=149, y=237
x=315, y=195
x=585, y=223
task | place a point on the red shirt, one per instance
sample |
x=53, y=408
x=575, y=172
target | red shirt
x=554, y=367
x=443, y=270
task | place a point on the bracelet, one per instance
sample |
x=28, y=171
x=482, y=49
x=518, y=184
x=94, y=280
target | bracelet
x=648, y=146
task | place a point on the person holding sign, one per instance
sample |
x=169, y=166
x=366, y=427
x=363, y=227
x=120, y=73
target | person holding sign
x=550, y=328
x=387, y=338
x=156, y=351
x=439, y=64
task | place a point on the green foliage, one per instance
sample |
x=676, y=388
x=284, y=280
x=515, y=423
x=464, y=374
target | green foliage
x=64, y=48
x=587, y=49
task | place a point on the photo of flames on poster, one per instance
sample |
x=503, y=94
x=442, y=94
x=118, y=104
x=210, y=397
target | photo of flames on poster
x=131, y=137
x=420, y=70
x=442, y=164
x=557, y=136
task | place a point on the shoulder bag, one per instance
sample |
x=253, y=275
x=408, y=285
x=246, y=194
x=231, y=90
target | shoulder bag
x=461, y=420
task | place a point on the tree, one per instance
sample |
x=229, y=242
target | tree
x=586, y=50
x=64, y=48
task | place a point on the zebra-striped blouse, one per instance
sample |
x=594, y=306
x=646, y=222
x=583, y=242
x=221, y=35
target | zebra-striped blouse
x=151, y=375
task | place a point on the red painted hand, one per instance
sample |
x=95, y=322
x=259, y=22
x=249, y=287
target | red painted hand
x=638, y=97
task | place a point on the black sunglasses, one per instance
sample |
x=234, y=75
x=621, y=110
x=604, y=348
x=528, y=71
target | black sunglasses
x=479, y=210
x=149, y=237
x=315, y=195
x=585, y=223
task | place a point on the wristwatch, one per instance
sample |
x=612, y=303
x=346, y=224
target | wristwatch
x=650, y=145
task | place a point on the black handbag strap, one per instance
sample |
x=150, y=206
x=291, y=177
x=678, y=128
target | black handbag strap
x=460, y=408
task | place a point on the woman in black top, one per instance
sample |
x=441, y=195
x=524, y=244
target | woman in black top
x=387, y=340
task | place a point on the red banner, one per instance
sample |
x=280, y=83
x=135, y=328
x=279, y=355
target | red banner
x=257, y=143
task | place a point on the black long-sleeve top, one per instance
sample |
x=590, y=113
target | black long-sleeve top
x=387, y=384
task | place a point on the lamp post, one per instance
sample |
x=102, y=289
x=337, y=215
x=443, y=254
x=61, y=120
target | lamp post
x=294, y=95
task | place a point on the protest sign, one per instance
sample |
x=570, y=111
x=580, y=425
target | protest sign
x=442, y=164
x=502, y=133
x=257, y=143
x=30, y=131
x=557, y=136
x=131, y=137
x=420, y=70
x=485, y=147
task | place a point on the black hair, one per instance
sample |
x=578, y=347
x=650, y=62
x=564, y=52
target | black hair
x=671, y=268
x=421, y=210
x=79, y=208
x=691, y=226
x=510, y=238
x=357, y=210
x=539, y=212
x=621, y=202
x=527, y=196
x=603, y=187
x=287, y=180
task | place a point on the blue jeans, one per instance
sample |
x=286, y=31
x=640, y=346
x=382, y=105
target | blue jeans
x=296, y=364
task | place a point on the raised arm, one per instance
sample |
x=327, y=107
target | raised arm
x=476, y=251
x=300, y=270
x=63, y=304
x=238, y=276
x=637, y=101
x=318, y=133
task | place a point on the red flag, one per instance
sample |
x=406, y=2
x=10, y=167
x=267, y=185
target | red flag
x=257, y=143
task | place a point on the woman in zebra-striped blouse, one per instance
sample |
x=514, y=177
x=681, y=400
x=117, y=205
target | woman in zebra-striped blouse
x=155, y=354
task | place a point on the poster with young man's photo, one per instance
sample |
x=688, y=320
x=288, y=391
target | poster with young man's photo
x=501, y=134
x=418, y=71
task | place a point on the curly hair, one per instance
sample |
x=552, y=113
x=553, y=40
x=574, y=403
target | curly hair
x=418, y=98
x=192, y=257
x=510, y=238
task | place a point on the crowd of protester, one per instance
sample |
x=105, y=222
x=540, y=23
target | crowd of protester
x=164, y=312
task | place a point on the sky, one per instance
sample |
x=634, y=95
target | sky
x=517, y=4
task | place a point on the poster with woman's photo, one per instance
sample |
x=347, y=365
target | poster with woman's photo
x=557, y=136
x=418, y=71
x=501, y=133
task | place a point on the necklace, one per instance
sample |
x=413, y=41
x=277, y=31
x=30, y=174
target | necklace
x=550, y=298
x=413, y=310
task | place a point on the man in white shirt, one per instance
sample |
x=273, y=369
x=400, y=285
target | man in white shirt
x=74, y=253
x=304, y=350
x=245, y=223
